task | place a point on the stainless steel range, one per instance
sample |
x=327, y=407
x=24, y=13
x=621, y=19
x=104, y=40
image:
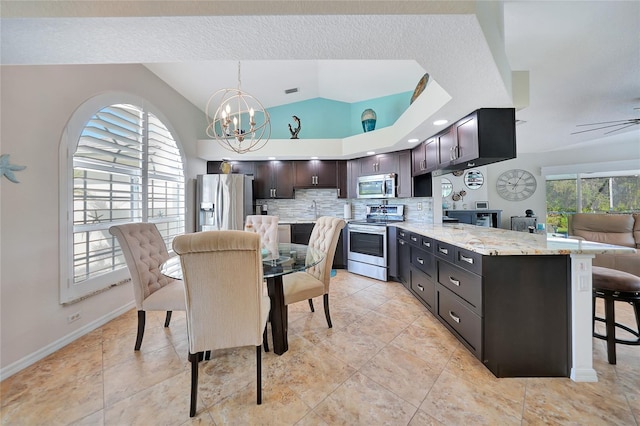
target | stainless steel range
x=367, y=242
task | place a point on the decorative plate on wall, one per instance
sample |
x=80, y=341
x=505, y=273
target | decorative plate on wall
x=474, y=179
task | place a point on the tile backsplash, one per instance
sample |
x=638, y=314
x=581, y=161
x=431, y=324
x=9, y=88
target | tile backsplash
x=327, y=203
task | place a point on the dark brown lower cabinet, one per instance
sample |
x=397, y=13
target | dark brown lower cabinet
x=301, y=233
x=510, y=312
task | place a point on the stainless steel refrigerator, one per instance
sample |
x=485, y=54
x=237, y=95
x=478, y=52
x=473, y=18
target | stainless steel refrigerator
x=224, y=201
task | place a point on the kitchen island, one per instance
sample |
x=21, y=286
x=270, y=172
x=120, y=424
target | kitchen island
x=520, y=302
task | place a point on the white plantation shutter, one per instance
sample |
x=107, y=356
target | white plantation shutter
x=127, y=167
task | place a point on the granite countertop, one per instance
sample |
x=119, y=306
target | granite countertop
x=503, y=242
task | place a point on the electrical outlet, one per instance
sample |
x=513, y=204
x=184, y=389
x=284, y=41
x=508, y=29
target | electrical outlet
x=419, y=206
x=73, y=317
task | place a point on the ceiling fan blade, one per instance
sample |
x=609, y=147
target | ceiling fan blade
x=605, y=122
x=621, y=128
x=605, y=127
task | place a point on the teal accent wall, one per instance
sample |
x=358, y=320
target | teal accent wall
x=328, y=119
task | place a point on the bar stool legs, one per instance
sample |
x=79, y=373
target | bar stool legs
x=610, y=297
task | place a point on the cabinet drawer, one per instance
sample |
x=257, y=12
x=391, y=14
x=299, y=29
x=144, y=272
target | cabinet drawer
x=444, y=250
x=424, y=288
x=465, y=284
x=461, y=319
x=468, y=260
x=423, y=261
x=426, y=244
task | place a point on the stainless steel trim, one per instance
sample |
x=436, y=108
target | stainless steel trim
x=454, y=317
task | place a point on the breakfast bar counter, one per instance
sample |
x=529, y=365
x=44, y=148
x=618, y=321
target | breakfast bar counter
x=520, y=302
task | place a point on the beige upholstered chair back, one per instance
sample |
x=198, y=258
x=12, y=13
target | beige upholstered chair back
x=144, y=251
x=324, y=237
x=265, y=226
x=222, y=274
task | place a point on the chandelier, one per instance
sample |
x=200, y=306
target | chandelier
x=240, y=123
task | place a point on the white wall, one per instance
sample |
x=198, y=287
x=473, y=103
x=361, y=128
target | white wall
x=36, y=103
x=627, y=148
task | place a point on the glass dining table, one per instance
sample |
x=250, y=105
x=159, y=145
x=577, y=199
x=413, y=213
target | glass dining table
x=278, y=261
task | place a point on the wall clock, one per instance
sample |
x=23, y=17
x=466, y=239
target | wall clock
x=516, y=185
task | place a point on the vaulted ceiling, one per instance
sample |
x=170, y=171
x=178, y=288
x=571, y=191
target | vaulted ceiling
x=581, y=60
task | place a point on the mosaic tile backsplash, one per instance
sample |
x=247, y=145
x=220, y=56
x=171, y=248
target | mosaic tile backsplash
x=327, y=203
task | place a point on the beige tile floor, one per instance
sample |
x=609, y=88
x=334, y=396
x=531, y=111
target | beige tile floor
x=386, y=361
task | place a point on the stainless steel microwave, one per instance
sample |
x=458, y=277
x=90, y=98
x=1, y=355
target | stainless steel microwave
x=377, y=186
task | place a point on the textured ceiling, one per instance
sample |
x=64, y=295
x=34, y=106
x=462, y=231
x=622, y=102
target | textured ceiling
x=583, y=58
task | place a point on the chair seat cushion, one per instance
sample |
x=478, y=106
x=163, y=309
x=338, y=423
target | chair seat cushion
x=168, y=298
x=301, y=286
x=614, y=280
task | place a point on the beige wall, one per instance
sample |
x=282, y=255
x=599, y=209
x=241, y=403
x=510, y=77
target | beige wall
x=36, y=104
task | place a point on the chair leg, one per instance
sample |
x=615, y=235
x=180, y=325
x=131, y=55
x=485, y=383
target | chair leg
x=168, y=319
x=325, y=299
x=194, y=358
x=265, y=342
x=610, y=321
x=141, y=321
x=311, y=305
x=259, y=372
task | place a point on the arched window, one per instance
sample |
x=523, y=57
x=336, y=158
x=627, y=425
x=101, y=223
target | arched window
x=126, y=167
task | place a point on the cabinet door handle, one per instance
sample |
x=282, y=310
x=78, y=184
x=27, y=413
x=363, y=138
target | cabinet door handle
x=471, y=164
x=454, y=316
x=401, y=242
x=454, y=281
x=420, y=287
x=420, y=260
x=443, y=250
x=466, y=259
x=338, y=192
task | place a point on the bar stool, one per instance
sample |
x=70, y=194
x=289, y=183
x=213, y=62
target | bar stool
x=615, y=286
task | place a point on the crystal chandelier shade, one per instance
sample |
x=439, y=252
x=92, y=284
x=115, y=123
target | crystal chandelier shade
x=240, y=122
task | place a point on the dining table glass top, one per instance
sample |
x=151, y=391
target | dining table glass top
x=280, y=259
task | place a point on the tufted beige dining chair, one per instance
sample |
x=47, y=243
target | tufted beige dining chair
x=315, y=281
x=226, y=306
x=144, y=251
x=265, y=226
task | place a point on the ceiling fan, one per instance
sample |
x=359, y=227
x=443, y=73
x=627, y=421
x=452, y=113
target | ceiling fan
x=615, y=125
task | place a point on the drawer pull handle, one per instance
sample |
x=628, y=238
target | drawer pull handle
x=454, y=281
x=427, y=244
x=414, y=239
x=401, y=242
x=421, y=288
x=466, y=259
x=420, y=260
x=454, y=317
x=443, y=250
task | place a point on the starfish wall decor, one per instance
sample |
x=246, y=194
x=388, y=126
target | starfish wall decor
x=7, y=169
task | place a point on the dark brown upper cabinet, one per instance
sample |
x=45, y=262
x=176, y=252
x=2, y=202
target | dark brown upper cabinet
x=316, y=174
x=273, y=179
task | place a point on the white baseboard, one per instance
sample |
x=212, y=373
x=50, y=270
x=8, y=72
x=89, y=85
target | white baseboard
x=34, y=357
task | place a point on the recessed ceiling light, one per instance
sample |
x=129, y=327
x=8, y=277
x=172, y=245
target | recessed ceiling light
x=271, y=158
x=370, y=152
x=414, y=140
x=440, y=122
